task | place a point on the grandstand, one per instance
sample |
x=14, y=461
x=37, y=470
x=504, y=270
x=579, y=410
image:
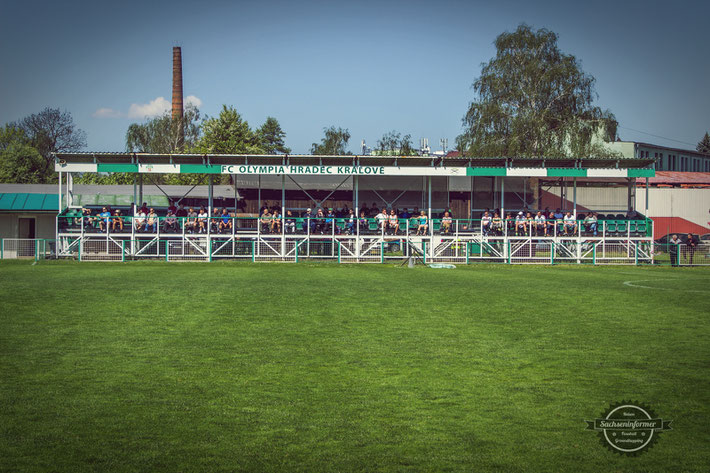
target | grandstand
x=420, y=187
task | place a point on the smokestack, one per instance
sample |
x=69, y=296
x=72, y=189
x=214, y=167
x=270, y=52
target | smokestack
x=177, y=91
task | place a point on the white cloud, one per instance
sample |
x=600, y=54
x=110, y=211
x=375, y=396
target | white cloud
x=107, y=113
x=191, y=99
x=148, y=110
x=154, y=108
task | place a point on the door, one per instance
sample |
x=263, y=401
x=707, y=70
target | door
x=27, y=228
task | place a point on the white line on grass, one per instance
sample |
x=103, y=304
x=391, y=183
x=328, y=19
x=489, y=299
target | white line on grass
x=631, y=284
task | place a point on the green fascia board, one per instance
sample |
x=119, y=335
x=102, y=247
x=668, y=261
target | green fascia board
x=200, y=169
x=641, y=172
x=566, y=172
x=471, y=171
x=104, y=167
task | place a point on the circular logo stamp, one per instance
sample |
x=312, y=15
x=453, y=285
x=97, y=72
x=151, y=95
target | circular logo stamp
x=628, y=428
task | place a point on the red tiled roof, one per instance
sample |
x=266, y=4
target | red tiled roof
x=677, y=178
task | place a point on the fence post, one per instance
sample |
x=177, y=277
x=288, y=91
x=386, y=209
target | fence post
x=2, y=248
x=253, y=256
x=297, y=245
x=338, y=250
x=123, y=251
x=81, y=244
x=468, y=248
x=36, y=250
x=636, y=254
x=382, y=251
x=594, y=254
x=166, y=250
x=509, y=259
x=424, y=250
x=552, y=252
x=209, y=249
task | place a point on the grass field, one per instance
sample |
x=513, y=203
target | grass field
x=300, y=367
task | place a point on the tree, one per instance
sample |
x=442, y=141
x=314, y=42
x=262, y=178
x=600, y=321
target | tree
x=532, y=100
x=162, y=135
x=228, y=134
x=393, y=143
x=20, y=162
x=52, y=131
x=704, y=144
x=271, y=137
x=333, y=143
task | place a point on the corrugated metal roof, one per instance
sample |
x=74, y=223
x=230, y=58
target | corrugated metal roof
x=24, y=201
x=677, y=178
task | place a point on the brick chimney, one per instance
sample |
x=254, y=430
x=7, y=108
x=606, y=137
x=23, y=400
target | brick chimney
x=177, y=90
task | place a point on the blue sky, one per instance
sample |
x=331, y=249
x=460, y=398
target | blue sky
x=367, y=66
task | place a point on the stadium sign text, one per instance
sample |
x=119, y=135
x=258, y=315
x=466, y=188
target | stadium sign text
x=321, y=170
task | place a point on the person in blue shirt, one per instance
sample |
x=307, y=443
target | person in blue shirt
x=105, y=216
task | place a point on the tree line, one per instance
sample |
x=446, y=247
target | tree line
x=531, y=100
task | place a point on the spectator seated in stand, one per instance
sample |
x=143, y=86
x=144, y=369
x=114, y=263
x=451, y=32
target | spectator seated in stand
x=139, y=221
x=202, y=220
x=423, y=227
x=350, y=223
x=319, y=221
x=117, y=221
x=170, y=224
x=382, y=220
x=393, y=223
x=520, y=224
x=363, y=223
x=540, y=224
x=151, y=221
x=225, y=222
x=570, y=224
x=265, y=220
x=105, y=219
x=446, y=222
x=190, y=222
x=329, y=221
x=289, y=223
x=590, y=223
x=486, y=222
x=276, y=222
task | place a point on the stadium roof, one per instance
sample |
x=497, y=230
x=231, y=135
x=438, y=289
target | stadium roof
x=22, y=201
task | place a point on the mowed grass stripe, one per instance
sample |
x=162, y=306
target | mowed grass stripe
x=283, y=367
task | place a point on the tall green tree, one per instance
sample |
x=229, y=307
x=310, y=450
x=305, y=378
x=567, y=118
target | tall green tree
x=271, y=137
x=161, y=135
x=50, y=131
x=20, y=161
x=533, y=100
x=333, y=143
x=704, y=144
x=228, y=133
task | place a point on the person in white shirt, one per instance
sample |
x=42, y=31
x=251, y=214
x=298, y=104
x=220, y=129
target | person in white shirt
x=140, y=220
x=382, y=219
x=486, y=223
x=570, y=224
x=393, y=222
x=540, y=225
x=202, y=220
x=520, y=226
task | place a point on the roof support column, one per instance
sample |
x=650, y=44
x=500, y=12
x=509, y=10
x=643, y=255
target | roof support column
x=356, y=197
x=429, y=187
x=210, y=182
x=60, y=192
x=645, y=213
x=502, y=196
x=574, y=197
x=140, y=189
x=70, y=190
x=135, y=194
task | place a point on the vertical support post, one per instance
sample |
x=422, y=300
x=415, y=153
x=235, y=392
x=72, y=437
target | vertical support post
x=253, y=255
x=502, y=197
x=338, y=241
x=166, y=247
x=259, y=194
x=574, y=197
x=468, y=250
x=356, y=186
x=2, y=248
x=210, y=185
x=594, y=254
x=140, y=189
x=429, y=214
x=135, y=194
x=209, y=249
x=630, y=195
x=60, y=194
x=123, y=251
x=470, y=202
x=636, y=254
x=645, y=212
x=298, y=243
x=36, y=250
x=382, y=251
x=70, y=190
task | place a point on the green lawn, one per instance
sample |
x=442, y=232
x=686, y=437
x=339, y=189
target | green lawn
x=171, y=367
